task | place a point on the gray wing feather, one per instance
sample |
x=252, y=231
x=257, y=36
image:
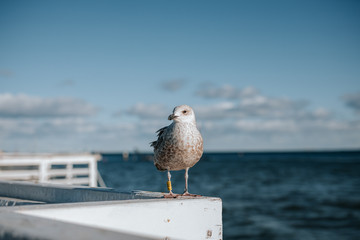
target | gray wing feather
x=156, y=144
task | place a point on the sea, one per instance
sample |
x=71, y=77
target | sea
x=266, y=195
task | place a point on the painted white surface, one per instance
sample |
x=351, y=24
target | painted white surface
x=188, y=218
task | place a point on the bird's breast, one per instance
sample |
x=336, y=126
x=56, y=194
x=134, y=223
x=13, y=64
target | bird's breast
x=186, y=136
x=182, y=147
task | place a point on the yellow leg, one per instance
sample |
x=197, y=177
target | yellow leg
x=169, y=185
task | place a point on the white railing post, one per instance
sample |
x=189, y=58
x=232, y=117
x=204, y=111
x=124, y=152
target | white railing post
x=43, y=169
x=69, y=175
x=93, y=172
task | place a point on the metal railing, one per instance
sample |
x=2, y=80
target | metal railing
x=77, y=169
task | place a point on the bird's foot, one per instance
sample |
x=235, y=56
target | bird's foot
x=171, y=195
x=187, y=194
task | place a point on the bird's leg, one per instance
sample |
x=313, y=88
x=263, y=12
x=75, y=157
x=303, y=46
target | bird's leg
x=170, y=194
x=186, y=181
x=186, y=191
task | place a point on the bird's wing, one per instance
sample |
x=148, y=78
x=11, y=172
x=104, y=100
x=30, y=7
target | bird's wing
x=160, y=139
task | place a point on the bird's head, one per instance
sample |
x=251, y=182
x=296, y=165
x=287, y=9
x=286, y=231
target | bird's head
x=183, y=113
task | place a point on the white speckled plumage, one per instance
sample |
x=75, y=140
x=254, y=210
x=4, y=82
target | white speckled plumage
x=179, y=145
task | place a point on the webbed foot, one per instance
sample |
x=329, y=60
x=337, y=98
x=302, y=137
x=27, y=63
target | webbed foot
x=187, y=194
x=171, y=195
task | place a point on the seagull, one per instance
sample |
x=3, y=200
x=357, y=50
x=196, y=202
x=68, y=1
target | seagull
x=179, y=146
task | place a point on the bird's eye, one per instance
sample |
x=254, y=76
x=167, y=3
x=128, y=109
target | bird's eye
x=184, y=112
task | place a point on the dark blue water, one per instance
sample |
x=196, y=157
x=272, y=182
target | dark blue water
x=298, y=195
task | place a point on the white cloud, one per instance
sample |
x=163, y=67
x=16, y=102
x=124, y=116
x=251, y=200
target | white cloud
x=62, y=124
x=173, y=85
x=52, y=124
x=220, y=110
x=352, y=100
x=259, y=106
x=245, y=118
x=266, y=125
x=67, y=83
x=227, y=92
x=6, y=73
x=147, y=111
x=21, y=105
x=247, y=102
x=67, y=134
x=56, y=127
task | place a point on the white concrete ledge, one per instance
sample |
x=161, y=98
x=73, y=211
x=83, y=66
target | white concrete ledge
x=136, y=215
x=55, y=193
x=14, y=225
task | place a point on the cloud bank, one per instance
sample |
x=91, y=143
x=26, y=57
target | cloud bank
x=53, y=124
x=21, y=105
x=231, y=118
x=245, y=118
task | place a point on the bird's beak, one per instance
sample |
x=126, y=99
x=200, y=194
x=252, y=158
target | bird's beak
x=172, y=116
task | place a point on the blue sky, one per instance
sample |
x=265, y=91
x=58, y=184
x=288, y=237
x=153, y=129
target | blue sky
x=104, y=75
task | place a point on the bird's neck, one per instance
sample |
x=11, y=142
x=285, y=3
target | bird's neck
x=184, y=123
